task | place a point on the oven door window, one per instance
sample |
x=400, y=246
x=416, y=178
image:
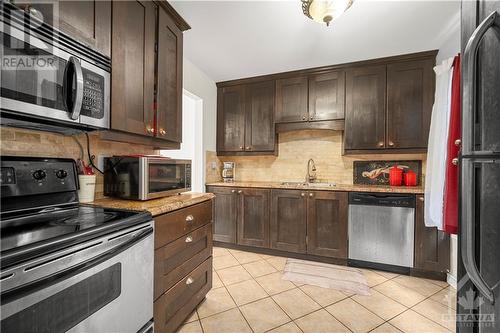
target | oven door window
x=67, y=308
x=32, y=75
x=165, y=177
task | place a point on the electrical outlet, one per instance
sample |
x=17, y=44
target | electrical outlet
x=100, y=161
x=213, y=165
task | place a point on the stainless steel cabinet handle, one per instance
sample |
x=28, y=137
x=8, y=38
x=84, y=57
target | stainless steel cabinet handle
x=302, y=194
x=380, y=144
x=248, y=147
x=421, y=198
x=233, y=191
x=304, y=117
x=458, y=142
x=469, y=80
x=189, y=280
x=240, y=191
x=162, y=131
x=391, y=144
x=310, y=194
x=467, y=232
x=454, y=161
x=189, y=218
x=188, y=239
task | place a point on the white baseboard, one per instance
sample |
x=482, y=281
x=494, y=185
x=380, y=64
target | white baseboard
x=452, y=281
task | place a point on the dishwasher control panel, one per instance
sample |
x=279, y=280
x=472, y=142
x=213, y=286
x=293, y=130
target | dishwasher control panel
x=382, y=199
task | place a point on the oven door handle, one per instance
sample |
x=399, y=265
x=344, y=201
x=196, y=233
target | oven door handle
x=23, y=290
x=75, y=108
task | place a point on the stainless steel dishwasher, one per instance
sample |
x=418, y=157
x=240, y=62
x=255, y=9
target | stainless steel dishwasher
x=381, y=228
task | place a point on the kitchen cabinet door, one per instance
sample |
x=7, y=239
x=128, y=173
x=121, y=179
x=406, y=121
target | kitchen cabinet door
x=260, y=134
x=410, y=96
x=365, y=108
x=327, y=96
x=288, y=220
x=253, y=217
x=133, y=67
x=89, y=22
x=327, y=224
x=225, y=213
x=291, y=100
x=169, y=88
x=432, y=247
x=231, y=119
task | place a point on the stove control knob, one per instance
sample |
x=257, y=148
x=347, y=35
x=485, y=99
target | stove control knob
x=39, y=174
x=61, y=174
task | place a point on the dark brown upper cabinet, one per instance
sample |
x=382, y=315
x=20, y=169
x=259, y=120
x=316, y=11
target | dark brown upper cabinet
x=146, y=87
x=245, y=119
x=432, y=246
x=259, y=130
x=253, y=217
x=327, y=96
x=133, y=67
x=89, y=22
x=291, y=100
x=410, y=95
x=365, y=108
x=327, y=224
x=169, y=80
x=231, y=119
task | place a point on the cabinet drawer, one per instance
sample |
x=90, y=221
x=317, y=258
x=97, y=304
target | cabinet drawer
x=169, y=227
x=172, y=308
x=175, y=260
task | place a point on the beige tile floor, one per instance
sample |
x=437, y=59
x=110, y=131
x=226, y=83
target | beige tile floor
x=248, y=295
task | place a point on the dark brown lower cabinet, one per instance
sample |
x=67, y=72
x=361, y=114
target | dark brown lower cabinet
x=432, y=247
x=288, y=220
x=183, y=264
x=225, y=213
x=327, y=224
x=253, y=217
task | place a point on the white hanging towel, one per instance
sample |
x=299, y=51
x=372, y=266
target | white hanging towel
x=437, y=148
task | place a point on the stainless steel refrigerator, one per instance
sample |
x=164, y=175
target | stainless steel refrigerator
x=478, y=287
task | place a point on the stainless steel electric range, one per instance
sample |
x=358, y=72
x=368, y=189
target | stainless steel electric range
x=67, y=267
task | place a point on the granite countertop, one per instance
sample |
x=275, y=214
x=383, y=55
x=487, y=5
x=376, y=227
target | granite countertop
x=156, y=206
x=337, y=187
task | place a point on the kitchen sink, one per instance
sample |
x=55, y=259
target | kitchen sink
x=310, y=185
x=322, y=185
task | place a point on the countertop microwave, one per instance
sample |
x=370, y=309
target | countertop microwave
x=144, y=177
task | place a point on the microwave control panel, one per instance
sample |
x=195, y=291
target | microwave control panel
x=93, y=95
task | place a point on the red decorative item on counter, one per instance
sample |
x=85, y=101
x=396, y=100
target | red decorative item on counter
x=410, y=178
x=395, y=176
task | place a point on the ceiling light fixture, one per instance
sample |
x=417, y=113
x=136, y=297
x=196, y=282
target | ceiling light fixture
x=324, y=11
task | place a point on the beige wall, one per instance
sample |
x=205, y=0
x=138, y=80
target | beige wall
x=22, y=142
x=295, y=149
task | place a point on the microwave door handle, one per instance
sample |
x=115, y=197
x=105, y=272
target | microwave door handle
x=74, y=113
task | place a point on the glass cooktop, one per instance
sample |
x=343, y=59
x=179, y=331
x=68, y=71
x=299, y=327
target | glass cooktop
x=26, y=230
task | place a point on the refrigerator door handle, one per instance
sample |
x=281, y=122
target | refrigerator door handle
x=469, y=80
x=468, y=226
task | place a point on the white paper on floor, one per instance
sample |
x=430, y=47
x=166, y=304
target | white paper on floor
x=342, y=278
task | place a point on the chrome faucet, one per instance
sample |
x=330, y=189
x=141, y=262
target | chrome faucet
x=311, y=171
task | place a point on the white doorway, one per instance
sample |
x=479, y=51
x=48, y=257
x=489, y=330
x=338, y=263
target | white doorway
x=192, y=138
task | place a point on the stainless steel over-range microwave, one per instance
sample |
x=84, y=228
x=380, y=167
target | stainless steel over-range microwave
x=49, y=79
x=143, y=177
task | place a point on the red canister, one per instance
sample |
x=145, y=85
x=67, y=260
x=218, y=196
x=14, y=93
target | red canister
x=410, y=178
x=395, y=176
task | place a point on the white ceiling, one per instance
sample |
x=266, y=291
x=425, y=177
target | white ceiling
x=235, y=39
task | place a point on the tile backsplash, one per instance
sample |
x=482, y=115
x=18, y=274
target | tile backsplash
x=295, y=149
x=21, y=142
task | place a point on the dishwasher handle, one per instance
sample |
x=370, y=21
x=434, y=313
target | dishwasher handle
x=383, y=199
